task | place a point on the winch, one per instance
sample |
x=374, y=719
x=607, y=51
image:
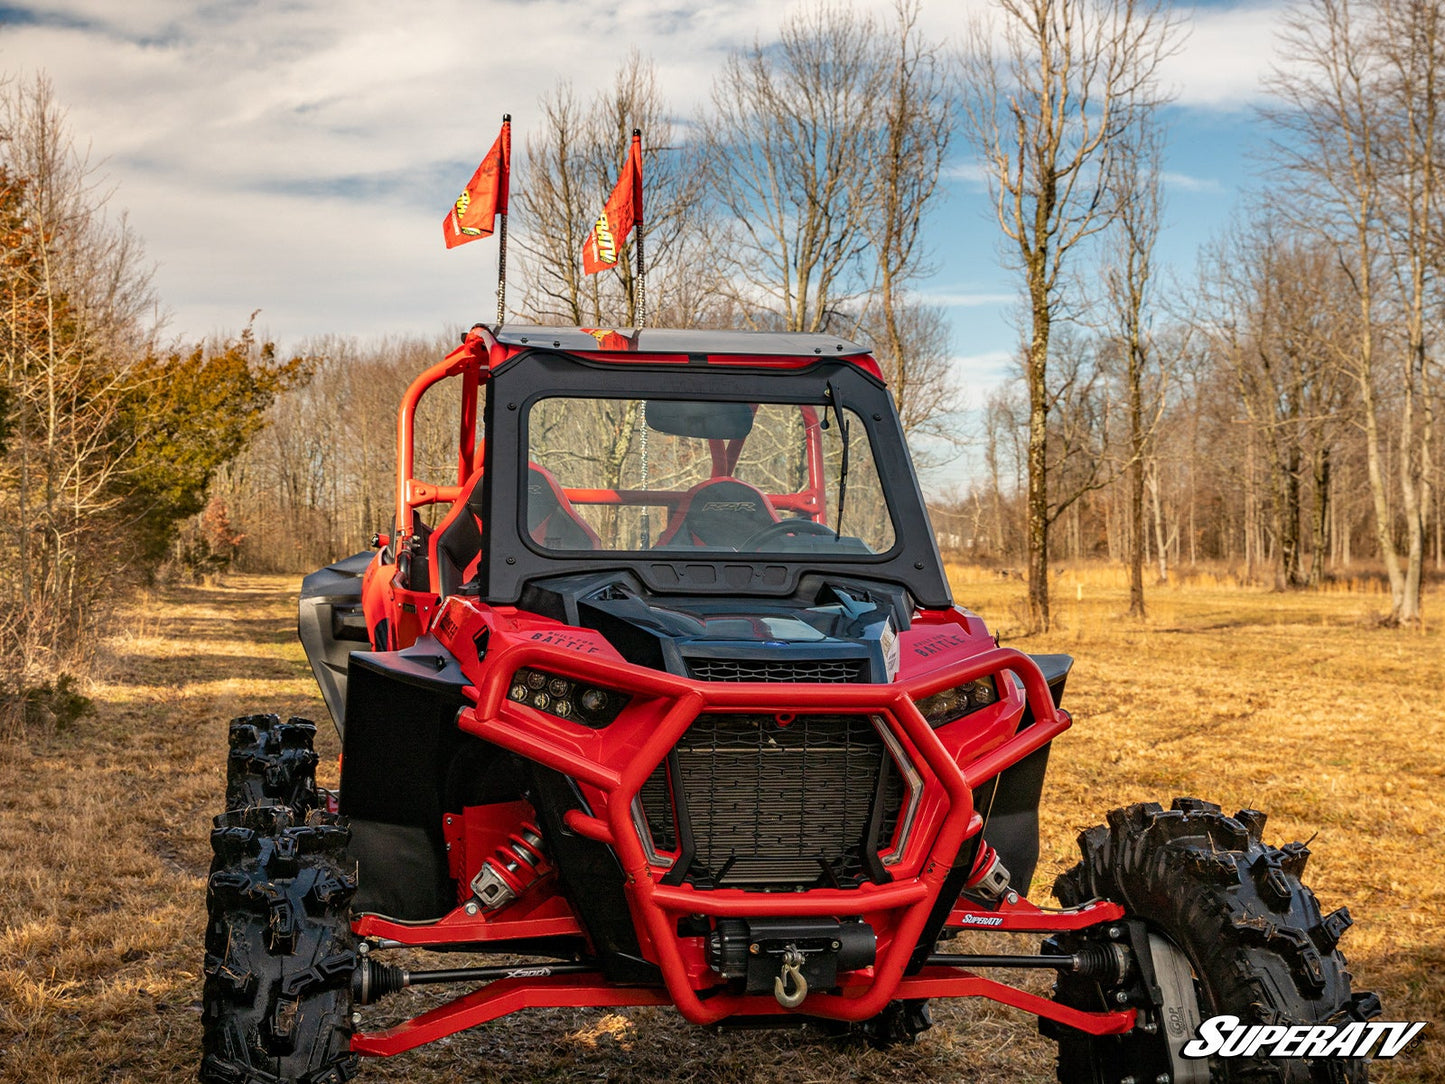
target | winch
x=787, y=957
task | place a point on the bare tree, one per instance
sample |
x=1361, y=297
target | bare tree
x=572, y=163
x=551, y=211
x=73, y=289
x=1129, y=279
x=920, y=373
x=1411, y=42
x=792, y=123
x=1278, y=330
x=895, y=186
x=1047, y=108
x=1360, y=153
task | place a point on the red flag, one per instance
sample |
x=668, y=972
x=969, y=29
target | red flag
x=485, y=196
x=622, y=212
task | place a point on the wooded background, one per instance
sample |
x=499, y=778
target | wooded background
x=1276, y=413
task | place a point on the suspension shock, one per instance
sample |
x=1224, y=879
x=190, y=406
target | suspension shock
x=514, y=867
x=989, y=880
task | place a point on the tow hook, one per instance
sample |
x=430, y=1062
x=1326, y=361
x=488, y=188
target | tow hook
x=791, y=972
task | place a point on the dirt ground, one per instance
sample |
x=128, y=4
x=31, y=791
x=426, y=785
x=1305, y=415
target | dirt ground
x=1296, y=704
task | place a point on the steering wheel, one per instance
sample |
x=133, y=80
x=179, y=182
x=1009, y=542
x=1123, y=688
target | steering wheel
x=783, y=529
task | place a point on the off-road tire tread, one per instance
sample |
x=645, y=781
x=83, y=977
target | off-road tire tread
x=272, y=761
x=279, y=949
x=1254, y=934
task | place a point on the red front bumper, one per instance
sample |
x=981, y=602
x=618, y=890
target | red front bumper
x=611, y=766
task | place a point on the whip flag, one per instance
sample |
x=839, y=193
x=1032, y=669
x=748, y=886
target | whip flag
x=622, y=211
x=485, y=196
x=482, y=200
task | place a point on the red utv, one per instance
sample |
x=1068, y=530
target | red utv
x=666, y=696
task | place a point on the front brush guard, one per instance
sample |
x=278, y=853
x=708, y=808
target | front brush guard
x=611, y=766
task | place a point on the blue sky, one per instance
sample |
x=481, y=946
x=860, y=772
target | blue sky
x=297, y=156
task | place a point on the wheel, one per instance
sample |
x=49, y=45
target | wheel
x=271, y=761
x=279, y=950
x=1228, y=920
x=784, y=529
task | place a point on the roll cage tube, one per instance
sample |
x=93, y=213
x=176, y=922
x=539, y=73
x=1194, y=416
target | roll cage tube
x=813, y=500
x=472, y=361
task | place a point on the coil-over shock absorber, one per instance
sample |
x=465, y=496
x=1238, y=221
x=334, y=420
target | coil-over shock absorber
x=514, y=867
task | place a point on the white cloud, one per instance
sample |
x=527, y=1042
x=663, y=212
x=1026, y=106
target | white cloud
x=1224, y=50
x=1225, y=55
x=963, y=298
x=1185, y=182
x=300, y=156
x=971, y=173
x=976, y=376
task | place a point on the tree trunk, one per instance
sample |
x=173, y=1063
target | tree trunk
x=1160, y=545
x=1319, y=542
x=1038, y=491
x=1136, y=490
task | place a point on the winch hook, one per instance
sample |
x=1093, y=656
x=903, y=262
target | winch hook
x=792, y=971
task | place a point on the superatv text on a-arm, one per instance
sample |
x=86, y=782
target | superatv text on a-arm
x=663, y=693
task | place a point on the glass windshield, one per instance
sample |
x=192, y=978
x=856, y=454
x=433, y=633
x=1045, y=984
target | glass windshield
x=673, y=475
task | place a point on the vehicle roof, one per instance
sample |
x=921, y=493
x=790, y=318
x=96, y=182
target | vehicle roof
x=662, y=340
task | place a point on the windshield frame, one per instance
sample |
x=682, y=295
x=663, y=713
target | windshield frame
x=511, y=558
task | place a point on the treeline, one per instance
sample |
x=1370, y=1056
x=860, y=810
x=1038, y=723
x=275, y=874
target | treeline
x=1281, y=411
x=109, y=437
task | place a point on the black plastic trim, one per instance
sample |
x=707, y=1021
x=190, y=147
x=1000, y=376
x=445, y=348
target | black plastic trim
x=329, y=624
x=683, y=342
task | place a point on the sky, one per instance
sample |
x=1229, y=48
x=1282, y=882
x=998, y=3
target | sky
x=297, y=156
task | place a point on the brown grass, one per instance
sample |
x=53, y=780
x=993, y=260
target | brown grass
x=1297, y=704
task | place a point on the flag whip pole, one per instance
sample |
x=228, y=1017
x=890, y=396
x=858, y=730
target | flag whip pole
x=502, y=237
x=641, y=261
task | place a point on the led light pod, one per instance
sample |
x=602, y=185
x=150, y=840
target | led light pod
x=586, y=705
x=950, y=704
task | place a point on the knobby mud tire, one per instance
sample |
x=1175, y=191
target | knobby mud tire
x=279, y=950
x=270, y=762
x=1256, y=941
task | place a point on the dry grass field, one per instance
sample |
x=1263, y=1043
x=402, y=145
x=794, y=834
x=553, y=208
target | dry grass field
x=1296, y=704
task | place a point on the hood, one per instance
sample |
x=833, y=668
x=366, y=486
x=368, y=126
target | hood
x=830, y=631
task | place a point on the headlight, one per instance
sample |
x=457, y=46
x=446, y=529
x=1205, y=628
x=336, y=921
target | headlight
x=959, y=701
x=587, y=705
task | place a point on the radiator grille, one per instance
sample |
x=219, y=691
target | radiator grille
x=774, y=807
x=657, y=806
x=782, y=670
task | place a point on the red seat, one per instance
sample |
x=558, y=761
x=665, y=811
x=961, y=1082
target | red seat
x=456, y=543
x=721, y=512
x=551, y=519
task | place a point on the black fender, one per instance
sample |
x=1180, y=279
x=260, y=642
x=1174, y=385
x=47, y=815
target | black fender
x=1009, y=803
x=406, y=764
x=331, y=625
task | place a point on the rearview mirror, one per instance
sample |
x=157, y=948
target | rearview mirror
x=710, y=421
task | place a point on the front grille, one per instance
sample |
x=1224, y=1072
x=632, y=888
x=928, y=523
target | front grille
x=789, y=670
x=764, y=806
